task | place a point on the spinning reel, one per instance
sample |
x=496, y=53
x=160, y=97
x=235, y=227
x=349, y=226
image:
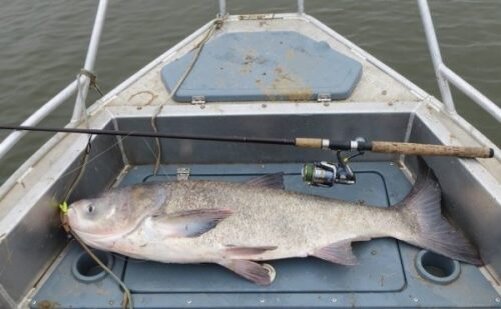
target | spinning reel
x=326, y=174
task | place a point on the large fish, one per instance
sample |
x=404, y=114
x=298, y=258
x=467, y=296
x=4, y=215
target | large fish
x=236, y=225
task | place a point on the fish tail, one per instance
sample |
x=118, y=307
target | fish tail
x=422, y=207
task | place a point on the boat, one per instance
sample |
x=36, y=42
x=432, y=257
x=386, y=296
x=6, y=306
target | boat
x=266, y=75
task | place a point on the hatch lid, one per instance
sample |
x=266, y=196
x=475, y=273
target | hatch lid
x=263, y=66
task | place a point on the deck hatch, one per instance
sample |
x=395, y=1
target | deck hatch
x=263, y=66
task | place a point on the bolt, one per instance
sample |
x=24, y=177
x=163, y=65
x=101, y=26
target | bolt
x=326, y=104
x=188, y=301
x=374, y=252
x=263, y=105
x=110, y=303
x=334, y=300
x=262, y=301
x=415, y=299
x=498, y=300
x=202, y=106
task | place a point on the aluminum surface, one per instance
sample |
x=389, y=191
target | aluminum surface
x=90, y=59
x=484, y=102
x=38, y=116
x=436, y=56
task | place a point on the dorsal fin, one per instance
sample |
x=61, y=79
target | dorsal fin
x=274, y=181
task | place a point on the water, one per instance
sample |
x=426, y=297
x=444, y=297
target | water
x=43, y=45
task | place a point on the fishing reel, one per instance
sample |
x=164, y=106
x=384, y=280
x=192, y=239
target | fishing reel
x=326, y=174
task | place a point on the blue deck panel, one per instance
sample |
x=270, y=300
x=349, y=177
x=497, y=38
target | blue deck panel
x=385, y=276
x=263, y=66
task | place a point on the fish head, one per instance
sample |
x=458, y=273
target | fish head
x=114, y=213
x=97, y=217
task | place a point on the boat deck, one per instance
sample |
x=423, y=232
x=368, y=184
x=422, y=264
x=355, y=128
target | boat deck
x=375, y=85
x=386, y=275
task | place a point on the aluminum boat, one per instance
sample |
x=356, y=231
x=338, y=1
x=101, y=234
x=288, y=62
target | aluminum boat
x=278, y=75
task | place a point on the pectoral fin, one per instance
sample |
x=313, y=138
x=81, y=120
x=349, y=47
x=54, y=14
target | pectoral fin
x=262, y=274
x=339, y=253
x=189, y=223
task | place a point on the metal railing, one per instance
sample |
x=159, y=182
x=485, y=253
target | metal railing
x=445, y=75
x=81, y=84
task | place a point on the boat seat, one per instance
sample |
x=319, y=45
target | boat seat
x=263, y=66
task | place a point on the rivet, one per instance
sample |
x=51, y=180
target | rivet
x=415, y=299
x=34, y=302
x=334, y=300
x=263, y=105
x=262, y=301
x=326, y=104
x=498, y=300
x=189, y=301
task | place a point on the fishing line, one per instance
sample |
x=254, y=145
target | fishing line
x=127, y=301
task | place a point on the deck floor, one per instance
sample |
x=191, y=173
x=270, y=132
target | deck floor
x=385, y=276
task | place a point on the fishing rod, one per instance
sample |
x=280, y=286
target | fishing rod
x=303, y=142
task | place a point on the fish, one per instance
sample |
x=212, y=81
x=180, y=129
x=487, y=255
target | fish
x=241, y=225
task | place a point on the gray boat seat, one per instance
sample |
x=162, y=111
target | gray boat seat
x=263, y=66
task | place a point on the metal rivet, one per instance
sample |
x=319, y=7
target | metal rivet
x=326, y=104
x=262, y=301
x=188, y=301
x=263, y=105
x=110, y=303
x=334, y=300
x=415, y=299
x=374, y=252
x=202, y=106
x=498, y=300
x=34, y=302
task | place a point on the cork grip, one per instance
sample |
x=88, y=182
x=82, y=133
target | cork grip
x=432, y=150
x=309, y=142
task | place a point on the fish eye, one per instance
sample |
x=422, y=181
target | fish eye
x=90, y=209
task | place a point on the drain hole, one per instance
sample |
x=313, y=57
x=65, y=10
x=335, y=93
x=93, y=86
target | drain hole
x=85, y=269
x=437, y=268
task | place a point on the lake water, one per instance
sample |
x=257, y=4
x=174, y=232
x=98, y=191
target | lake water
x=43, y=45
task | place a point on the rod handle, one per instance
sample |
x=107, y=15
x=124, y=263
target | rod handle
x=432, y=150
x=306, y=142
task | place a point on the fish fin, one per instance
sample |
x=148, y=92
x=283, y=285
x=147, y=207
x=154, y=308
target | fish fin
x=262, y=274
x=190, y=223
x=241, y=251
x=338, y=252
x=274, y=181
x=423, y=205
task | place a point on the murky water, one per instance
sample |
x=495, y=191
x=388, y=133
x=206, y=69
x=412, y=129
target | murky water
x=43, y=45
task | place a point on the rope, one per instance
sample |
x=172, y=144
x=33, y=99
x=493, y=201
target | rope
x=127, y=301
x=217, y=24
x=93, y=80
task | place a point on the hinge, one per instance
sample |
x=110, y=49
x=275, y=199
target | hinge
x=324, y=97
x=198, y=99
x=183, y=173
